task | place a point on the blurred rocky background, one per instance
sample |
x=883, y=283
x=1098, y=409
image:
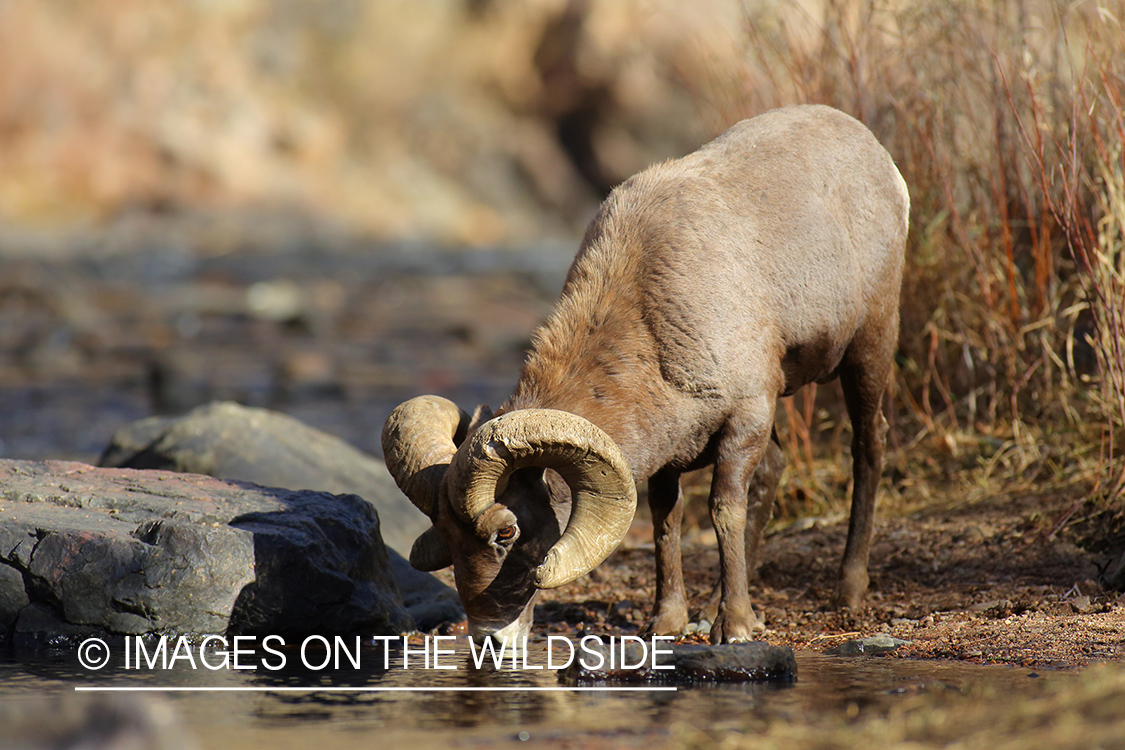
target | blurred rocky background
x=327, y=206
x=465, y=121
x=322, y=207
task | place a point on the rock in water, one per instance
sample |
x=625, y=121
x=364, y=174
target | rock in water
x=131, y=552
x=755, y=661
x=230, y=441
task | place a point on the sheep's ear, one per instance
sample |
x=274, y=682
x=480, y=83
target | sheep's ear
x=470, y=422
x=481, y=414
x=430, y=552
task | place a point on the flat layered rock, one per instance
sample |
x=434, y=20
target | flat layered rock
x=85, y=550
x=231, y=441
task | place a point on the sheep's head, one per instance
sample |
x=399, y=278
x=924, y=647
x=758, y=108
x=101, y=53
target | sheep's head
x=484, y=490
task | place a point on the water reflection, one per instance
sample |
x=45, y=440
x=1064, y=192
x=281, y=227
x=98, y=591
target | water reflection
x=245, y=719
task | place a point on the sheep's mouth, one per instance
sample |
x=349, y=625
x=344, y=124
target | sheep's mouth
x=510, y=636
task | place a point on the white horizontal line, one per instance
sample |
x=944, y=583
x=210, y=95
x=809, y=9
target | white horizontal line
x=286, y=689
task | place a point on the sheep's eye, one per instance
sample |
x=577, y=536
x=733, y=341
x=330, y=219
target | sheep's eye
x=506, y=534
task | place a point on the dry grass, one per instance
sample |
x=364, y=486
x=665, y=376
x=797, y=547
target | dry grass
x=1006, y=120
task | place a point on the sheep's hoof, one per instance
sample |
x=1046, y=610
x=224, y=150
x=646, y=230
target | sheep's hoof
x=726, y=630
x=668, y=622
x=849, y=591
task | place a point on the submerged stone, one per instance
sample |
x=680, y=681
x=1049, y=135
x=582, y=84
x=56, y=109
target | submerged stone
x=681, y=663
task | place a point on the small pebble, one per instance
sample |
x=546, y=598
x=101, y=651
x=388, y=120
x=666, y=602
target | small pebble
x=876, y=644
x=1082, y=604
x=973, y=535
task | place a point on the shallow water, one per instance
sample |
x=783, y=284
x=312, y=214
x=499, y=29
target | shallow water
x=93, y=342
x=297, y=707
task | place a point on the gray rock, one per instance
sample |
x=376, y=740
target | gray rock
x=429, y=601
x=13, y=596
x=39, y=624
x=230, y=441
x=1082, y=604
x=875, y=644
x=130, y=552
x=754, y=661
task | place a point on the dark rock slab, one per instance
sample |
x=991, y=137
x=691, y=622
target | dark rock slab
x=754, y=661
x=131, y=552
x=230, y=441
x=13, y=594
x=869, y=646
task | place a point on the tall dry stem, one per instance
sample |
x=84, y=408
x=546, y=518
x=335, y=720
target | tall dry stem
x=1005, y=119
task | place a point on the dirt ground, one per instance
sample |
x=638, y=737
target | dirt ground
x=985, y=583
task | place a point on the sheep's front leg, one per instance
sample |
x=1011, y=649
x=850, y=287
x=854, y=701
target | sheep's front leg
x=759, y=509
x=670, y=614
x=741, y=446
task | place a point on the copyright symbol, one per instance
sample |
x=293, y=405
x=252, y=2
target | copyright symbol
x=93, y=653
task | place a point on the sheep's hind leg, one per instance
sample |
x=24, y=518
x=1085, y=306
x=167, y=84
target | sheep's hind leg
x=864, y=375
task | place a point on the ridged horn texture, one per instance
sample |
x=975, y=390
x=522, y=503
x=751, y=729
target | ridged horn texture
x=419, y=439
x=603, y=494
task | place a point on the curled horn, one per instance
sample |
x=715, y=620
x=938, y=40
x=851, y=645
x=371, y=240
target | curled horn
x=603, y=494
x=419, y=439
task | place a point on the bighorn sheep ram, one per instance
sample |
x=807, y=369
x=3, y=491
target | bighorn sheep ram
x=704, y=288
